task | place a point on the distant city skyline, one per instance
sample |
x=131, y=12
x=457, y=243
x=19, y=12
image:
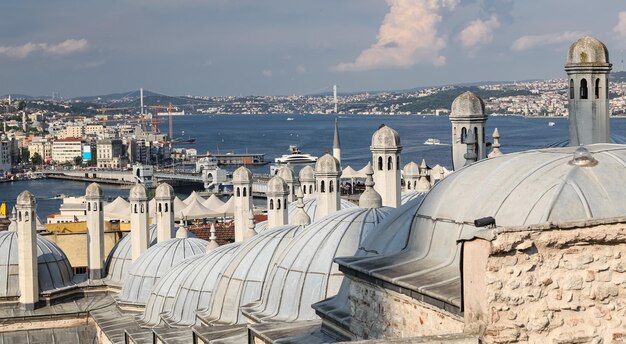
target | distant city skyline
x=281, y=47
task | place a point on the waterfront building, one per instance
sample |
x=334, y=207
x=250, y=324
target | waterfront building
x=5, y=155
x=66, y=150
x=110, y=153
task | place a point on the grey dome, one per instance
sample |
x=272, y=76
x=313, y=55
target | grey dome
x=468, y=105
x=327, y=164
x=287, y=174
x=277, y=187
x=120, y=258
x=305, y=272
x=188, y=284
x=310, y=206
x=240, y=282
x=307, y=174
x=408, y=196
x=519, y=189
x=242, y=175
x=385, y=138
x=138, y=193
x=54, y=270
x=151, y=266
x=411, y=170
x=588, y=50
x=26, y=198
x=94, y=190
x=164, y=191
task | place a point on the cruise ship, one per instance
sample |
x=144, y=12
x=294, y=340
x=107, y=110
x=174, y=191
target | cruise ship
x=295, y=157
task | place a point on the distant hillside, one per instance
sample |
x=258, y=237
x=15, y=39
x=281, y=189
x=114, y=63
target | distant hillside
x=618, y=76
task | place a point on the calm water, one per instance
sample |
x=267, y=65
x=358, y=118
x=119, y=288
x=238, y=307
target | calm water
x=272, y=135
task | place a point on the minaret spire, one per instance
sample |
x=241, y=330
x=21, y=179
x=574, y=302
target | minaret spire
x=336, y=143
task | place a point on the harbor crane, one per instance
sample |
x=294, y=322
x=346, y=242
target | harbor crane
x=105, y=110
x=155, y=122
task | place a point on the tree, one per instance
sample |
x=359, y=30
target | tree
x=78, y=161
x=25, y=155
x=36, y=159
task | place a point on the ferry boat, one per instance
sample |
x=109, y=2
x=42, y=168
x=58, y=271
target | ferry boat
x=551, y=124
x=432, y=141
x=290, y=118
x=295, y=157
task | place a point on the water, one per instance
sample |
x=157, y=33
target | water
x=272, y=135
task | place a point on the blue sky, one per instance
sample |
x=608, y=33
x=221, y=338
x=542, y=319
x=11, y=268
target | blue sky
x=244, y=47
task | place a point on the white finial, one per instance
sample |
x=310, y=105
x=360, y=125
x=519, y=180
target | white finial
x=370, y=198
x=423, y=185
x=251, y=231
x=212, y=240
x=300, y=218
x=182, y=233
x=496, y=145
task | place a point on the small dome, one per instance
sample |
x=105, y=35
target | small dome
x=310, y=206
x=588, y=50
x=327, y=164
x=94, y=190
x=26, y=198
x=138, y=193
x=190, y=283
x=287, y=174
x=164, y=191
x=54, y=269
x=242, y=175
x=307, y=174
x=306, y=272
x=277, y=187
x=120, y=258
x=154, y=264
x=385, y=138
x=468, y=105
x=411, y=170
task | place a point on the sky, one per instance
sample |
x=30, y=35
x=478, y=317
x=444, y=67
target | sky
x=285, y=47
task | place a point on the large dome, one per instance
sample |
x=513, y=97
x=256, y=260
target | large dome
x=534, y=187
x=306, y=272
x=54, y=270
x=310, y=206
x=154, y=264
x=190, y=283
x=120, y=258
x=588, y=50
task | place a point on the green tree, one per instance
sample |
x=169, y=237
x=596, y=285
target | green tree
x=25, y=154
x=36, y=159
x=78, y=161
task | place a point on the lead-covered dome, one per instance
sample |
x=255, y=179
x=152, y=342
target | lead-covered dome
x=53, y=268
x=411, y=170
x=287, y=174
x=277, y=186
x=138, y=193
x=307, y=174
x=305, y=272
x=242, y=175
x=520, y=189
x=94, y=190
x=151, y=266
x=327, y=164
x=164, y=191
x=385, y=138
x=26, y=198
x=310, y=207
x=468, y=105
x=588, y=50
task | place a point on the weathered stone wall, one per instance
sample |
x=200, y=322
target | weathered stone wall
x=380, y=313
x=551, y=286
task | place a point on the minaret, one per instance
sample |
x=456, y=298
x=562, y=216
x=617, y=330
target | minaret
x=300, y=218
x=411, y=175
x=277, y=192
x=336, y=143
x=27, y=250
x=95, y=231
x=327, y=173
x=164, y=198
x=292, y=181
x=370, y=198
x=423, y=185
x=588, y=69
x=307, y=180
x=139, y=235
x=386, y=150
x=24, y=123
x=250, y=232
x=495, y=147
x=212, y=245
x=468, y=115
x=242, y=184
x=470, y=156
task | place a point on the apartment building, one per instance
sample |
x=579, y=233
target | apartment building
x=64, y=150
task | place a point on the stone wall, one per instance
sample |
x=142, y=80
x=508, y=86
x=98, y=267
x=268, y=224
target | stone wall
x=548, y=285
x=380, y=313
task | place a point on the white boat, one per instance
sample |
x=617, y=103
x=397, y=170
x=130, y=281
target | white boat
x=290, y=118
x=551, y=124
x=295, y=157
x=432, y=141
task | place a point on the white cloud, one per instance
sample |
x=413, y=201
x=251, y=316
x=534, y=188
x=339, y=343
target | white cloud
x=530, y=42
x=479, y=32
x=620, y=28
x=66, y=47
x=408, y=35
x=267, y=73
